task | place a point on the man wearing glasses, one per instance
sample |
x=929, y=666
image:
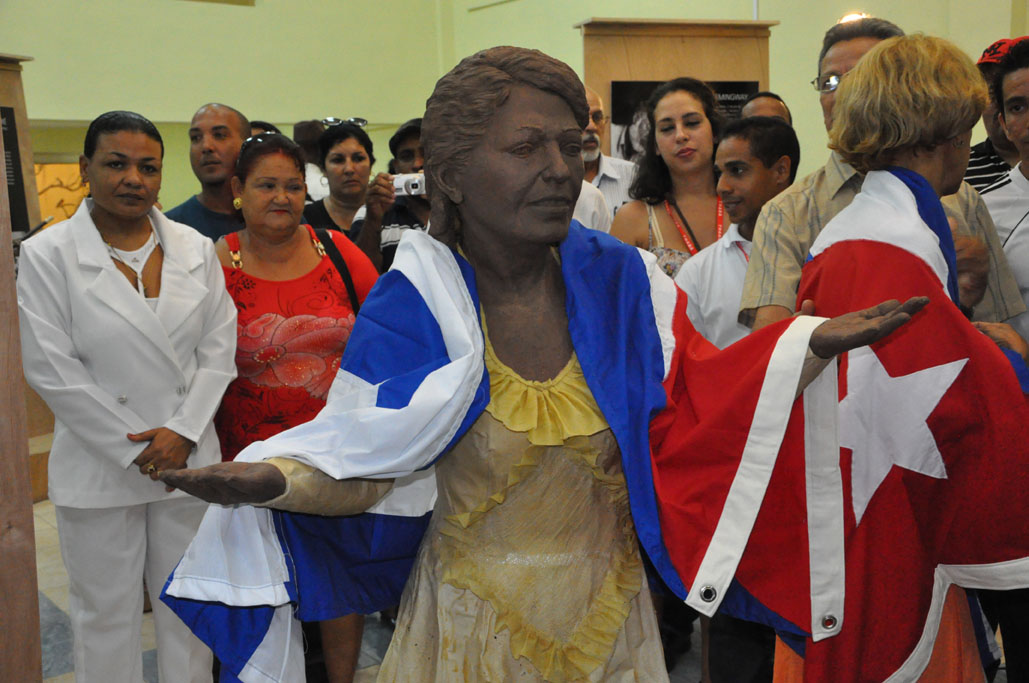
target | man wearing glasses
x=789, y=223
x=609, y=175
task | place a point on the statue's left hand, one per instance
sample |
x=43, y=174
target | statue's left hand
x=861, y=328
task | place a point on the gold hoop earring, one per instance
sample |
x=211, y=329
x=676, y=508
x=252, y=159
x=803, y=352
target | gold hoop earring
x=237, y=203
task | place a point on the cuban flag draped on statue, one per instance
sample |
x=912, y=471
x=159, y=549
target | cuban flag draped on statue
x=410, y=385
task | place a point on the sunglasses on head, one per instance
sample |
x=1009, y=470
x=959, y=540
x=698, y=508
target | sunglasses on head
x=260, y=137
x=354, y=121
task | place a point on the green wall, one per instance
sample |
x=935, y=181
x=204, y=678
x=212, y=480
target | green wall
x=285, y=61
x=793, y=48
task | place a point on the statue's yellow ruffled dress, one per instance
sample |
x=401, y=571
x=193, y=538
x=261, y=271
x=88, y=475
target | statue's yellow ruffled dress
x=530, y=569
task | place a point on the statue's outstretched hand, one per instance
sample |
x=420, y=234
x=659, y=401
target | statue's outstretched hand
x=229, y=483
x=860, y=328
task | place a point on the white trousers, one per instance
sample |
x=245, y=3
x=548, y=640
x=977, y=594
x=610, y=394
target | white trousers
x=107, y=552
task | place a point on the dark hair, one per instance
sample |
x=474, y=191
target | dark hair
x=263, y=144
x=774, y=96
x=653, y=182
x=869, y=27
x=339, y=132
x=769, y=138
x=411, y=128
x=306, y=134
x=464, y=102
x=115, y=122
x=1016, y=58
x=265, y=126
x=242, y=121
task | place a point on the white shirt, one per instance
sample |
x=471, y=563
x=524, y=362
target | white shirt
x=317, y=186
x=614, y=176
x=713, y=282
x=591, y=210
x=1008, y=202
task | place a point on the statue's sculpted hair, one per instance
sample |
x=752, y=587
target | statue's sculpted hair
x=462, y=106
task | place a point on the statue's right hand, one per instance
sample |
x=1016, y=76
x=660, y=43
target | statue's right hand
x=229, y=483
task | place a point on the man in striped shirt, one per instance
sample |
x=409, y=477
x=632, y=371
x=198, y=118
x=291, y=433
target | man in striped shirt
x=1008, y=202
x=992, y=158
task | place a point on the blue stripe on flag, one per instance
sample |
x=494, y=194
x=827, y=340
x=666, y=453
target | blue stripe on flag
x=395, y=344
x=347, y=565
x=614, y=331
x=1019, y=366
x=232, y=633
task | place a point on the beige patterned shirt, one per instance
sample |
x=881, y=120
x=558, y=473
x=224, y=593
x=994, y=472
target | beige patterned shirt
x=789, y=223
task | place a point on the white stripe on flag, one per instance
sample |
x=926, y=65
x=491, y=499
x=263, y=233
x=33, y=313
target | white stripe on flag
x=824, y=482
x=747, y=491
x=663, y=295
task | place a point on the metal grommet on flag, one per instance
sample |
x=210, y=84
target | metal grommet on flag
x=829, y=622
x=708, y=593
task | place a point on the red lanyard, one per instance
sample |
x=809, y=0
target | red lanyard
x=743, y=251
x=683, y=226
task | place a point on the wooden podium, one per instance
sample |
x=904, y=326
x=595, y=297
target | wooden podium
x=20, y=657
x=662, y=49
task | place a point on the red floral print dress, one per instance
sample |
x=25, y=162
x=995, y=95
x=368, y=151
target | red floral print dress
x=290, y=338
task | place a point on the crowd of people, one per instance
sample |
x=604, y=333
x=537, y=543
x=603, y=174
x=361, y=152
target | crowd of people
x=304, y=337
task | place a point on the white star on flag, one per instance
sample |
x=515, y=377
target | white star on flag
x=883, y=421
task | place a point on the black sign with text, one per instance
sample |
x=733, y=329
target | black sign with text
x=15, y=181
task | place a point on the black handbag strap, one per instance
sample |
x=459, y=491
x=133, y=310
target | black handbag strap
x=337, y=260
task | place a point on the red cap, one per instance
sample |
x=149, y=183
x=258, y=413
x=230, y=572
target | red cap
x=994, y=53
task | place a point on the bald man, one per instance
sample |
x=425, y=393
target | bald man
x=216, y=133
x=609, y=175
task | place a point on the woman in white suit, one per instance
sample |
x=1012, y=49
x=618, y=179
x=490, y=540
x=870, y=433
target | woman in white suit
x=129, y=335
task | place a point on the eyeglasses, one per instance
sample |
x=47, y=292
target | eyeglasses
x=827, y=83
x=354, y=121
x=598, y=117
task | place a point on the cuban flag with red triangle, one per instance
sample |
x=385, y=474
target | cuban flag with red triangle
x=933, y=435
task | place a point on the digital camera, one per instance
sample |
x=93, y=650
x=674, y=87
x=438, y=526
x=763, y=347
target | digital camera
x=409, y=184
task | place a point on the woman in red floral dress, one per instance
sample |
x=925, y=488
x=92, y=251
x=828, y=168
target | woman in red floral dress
x=295, y=312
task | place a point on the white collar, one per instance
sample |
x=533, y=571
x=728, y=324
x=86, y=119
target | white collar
x=731, y=237
x=606, y=168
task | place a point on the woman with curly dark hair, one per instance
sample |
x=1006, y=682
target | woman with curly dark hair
x=677, y=211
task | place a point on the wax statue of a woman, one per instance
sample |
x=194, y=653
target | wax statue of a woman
x=524, y=359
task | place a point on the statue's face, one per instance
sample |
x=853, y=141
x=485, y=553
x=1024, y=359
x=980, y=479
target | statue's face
x=521, y=183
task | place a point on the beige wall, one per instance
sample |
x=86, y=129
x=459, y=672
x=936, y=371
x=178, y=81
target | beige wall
x=286, y=60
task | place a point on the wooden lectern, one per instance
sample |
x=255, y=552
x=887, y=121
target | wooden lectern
x=662, y=49
x=20, y=656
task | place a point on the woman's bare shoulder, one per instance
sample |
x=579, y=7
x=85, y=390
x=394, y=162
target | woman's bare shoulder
x=630, y=224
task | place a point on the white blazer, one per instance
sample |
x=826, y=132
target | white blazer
x=107, y=364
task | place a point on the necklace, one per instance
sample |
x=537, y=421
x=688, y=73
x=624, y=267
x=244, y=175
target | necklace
x=136, y=259
x=684, y=227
